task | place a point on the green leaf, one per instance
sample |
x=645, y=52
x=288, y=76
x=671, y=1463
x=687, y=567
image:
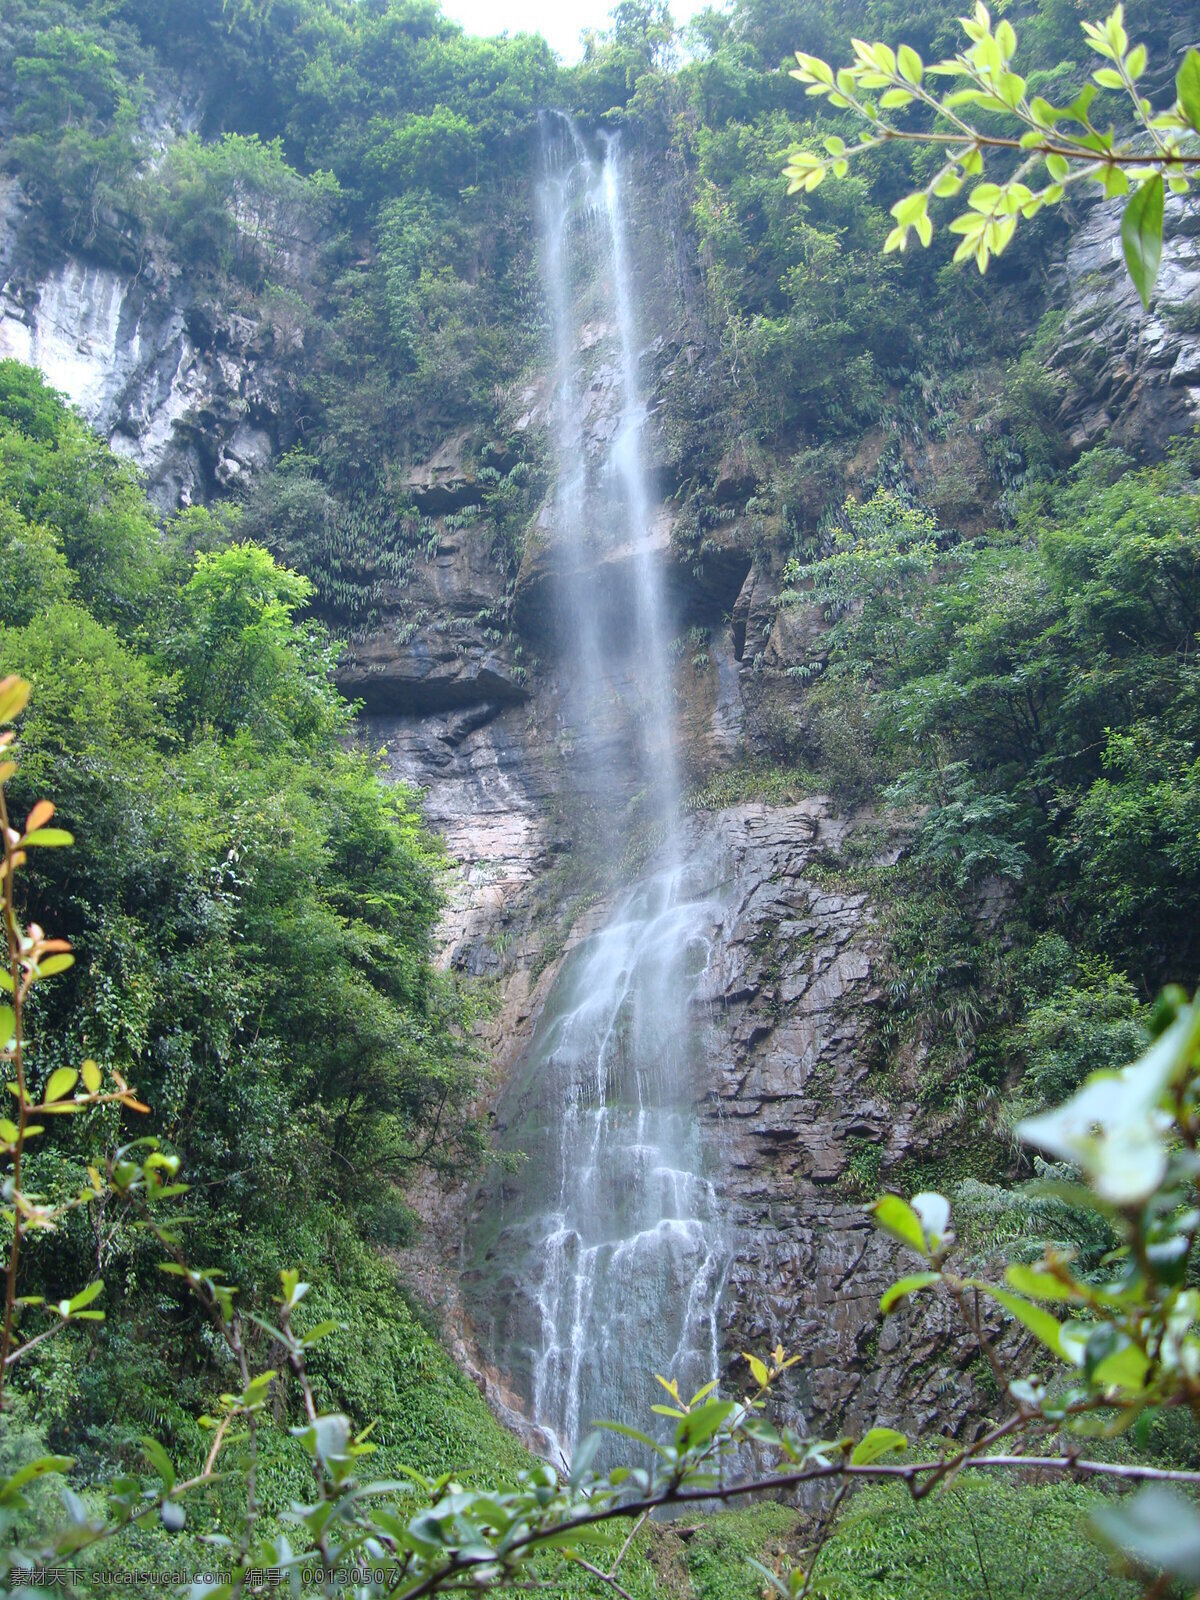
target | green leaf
x=51, y=838
x=62, y=1081
x=897, y=1217
x=1187, y=87
x=14, y=696
x=1040, y=1323
x=877, y=1442
x=1077, y=111
x=31, y=1470
x=1041, y=1285
x=909, y=63
x=92, y=1079
x=1141, y=235
x=54, y=964
x=160, y=1461
x=699, y=1426
x=85, y=1296
x=949, y=183
x=8, y=1025
x=910, y=208
x=319, y=1331
x=906, y=1286
x=759, y=1369
x=1124, y=1369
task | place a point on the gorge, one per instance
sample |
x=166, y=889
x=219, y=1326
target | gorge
x=771, y=773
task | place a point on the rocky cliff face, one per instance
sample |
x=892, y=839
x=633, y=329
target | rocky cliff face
x=194, y=394
x=459, y=680
x=1132, y=377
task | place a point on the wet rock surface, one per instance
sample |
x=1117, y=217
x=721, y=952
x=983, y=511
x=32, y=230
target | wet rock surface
x=439, y=645
x=795, y=1098
x=1133, y=376
x=787, y=1092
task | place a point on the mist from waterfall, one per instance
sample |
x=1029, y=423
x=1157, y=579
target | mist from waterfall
x=604, y=1259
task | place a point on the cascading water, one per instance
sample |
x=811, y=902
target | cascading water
x=600, y=1260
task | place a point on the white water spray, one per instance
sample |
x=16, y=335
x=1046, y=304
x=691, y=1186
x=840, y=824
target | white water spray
x=603, y=1258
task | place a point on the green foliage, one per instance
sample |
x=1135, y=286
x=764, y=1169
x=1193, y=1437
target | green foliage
x=71, y=96
x=55, y=472
x=980, y=1537
x=34, y=575
x=1032, y=693
x=1055, y=154
x=253, y=909
x=235, y=207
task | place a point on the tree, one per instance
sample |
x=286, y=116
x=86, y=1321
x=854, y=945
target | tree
x=1055, y=146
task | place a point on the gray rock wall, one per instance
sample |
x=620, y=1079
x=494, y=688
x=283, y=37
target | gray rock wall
x=197, y=401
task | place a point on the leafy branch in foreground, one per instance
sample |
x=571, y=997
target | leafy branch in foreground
x=1053, y=146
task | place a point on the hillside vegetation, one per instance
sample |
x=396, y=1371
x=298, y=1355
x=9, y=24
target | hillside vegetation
x=1001, y=674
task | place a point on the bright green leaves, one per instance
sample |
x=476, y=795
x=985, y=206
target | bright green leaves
x=804, y=171
x=1038, y=1284
x=924, y=1225
x=1187, y=88
x=37, y=833
x=11, y=1488
x=911, y=212
x=51, y=966
x=1141, y=235
x=61, y=1081
x=1045, y=131
x=758, y=1370
x=1045, y=1328
x=160, y=1461
x=53, y=838
x=899, y=1219
x=876, y=1442
x=14, y=697
x=1108, y=38
x=700, y=1425
x=903, y=1287
x=910, y=64
x=292, y=1288
x=76, y=1308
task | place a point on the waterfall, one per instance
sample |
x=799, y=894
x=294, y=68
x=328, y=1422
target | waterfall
x=599, y=1259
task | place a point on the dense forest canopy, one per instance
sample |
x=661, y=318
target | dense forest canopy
x=1002, y=671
